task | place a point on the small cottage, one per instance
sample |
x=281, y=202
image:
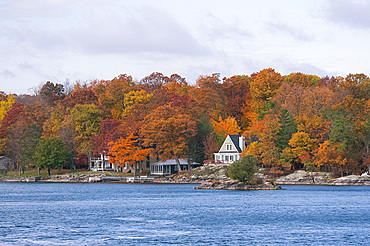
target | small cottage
x=230, y=149
x=170, y=166
x=5, y=164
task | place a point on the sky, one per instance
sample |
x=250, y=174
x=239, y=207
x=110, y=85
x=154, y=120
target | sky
x=82, y=40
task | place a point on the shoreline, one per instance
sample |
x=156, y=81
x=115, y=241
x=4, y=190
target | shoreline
x=180, y=183
x=299, y=177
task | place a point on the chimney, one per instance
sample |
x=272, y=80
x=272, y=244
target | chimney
x=241, y=142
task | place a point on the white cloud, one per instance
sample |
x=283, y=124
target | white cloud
x=349, y=12
x=150, y=30
x=296, y=32
x=7, y=74
x=44, y=40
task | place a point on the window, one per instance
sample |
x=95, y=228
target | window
x=226, y=158
x=229, y=147
x=231, y=158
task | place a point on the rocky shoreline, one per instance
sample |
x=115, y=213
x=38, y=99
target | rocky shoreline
x=301, y=177
x=234, y=185
x=210, y=177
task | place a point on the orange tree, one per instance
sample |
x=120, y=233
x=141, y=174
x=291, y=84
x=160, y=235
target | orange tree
x=126, y=151
x=168, y=130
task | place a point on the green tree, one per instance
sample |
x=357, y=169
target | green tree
x=343, y=132
x=87, y=119
x=286, y=129
x=243, y=169
x=50, y=153
x=196, y=150
x=29, y=141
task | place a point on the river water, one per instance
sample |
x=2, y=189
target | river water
x=118, y=214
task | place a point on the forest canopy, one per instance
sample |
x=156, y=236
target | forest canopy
x=299, y=120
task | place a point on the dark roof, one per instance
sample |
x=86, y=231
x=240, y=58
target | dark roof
x=235, y=139
x=229, y=152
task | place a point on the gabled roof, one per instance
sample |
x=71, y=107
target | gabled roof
x=235, y=140
x=4, y=160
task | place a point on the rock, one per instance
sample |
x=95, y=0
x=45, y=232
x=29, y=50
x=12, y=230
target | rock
x=233, y=185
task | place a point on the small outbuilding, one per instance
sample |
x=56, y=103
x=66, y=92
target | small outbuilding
x=169, y=167
x=6, y=164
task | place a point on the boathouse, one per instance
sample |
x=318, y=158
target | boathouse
x=170, y=166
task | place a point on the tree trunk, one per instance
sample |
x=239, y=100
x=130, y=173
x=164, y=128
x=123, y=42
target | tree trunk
x=135, y=168
x=38, y=170
x=49, y=171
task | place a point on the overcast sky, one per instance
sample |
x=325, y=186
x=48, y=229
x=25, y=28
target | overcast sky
x=70, y=40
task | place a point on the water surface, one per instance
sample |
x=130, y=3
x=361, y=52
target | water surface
x=117, y=214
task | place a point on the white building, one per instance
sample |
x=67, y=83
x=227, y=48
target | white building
x=230, y=149
x=170, y=166
x=101, y=163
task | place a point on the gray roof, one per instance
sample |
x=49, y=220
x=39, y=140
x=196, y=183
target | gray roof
x=172, y=162
x=5, y=160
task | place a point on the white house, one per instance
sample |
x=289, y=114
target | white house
x=170, y=166
x=101, y=163
x=230, y=149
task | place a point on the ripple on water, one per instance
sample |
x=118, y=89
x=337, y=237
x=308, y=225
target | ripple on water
x=104, y=214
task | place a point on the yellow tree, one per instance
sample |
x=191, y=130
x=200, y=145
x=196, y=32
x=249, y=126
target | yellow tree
x=135, y=97
x=300, y=78
x=329, y=156
x=126, y=151
x=263, y=88
x=225, y=127
x=5, y=106
x=168, y=130
x=52, y=125
x=299, y=143
x=265, y=150
x=315, y=126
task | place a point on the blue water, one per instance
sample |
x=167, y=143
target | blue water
x=118, y=214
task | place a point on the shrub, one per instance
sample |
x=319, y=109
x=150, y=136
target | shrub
x=243, y=169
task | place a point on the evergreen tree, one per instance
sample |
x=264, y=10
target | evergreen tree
x=196, y=143
x=286, y=129
x=30, y=139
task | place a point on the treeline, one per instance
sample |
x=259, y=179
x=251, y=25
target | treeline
x=300, y=121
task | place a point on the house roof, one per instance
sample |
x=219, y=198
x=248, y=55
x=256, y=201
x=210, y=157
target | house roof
x=172, y=162
x=228, y=152
x=4, y=160
x=235, y=139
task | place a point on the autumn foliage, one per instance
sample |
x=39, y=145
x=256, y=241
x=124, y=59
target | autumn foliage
x=289, y=121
